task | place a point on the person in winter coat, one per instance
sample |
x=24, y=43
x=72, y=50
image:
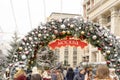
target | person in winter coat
x=70, y=74
x=35, y=74
x=80, y=75
x=76, y=71
x=113, y=74
x=53, y=75
x=102, y=73
x=60, y=75
x=20, y=75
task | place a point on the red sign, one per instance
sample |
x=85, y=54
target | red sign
x=67, y=42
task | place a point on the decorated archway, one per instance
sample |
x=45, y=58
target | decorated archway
x=93, y=33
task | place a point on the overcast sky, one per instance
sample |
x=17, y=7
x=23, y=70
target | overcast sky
x=39, y=10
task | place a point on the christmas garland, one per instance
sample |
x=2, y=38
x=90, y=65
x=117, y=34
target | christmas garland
x=93, y=33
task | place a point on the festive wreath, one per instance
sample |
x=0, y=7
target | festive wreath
x=93, y=33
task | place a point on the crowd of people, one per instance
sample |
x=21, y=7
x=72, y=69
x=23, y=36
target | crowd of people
x=79, y=73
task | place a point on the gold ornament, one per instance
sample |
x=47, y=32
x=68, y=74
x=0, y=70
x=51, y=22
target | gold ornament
x=91, y=29
x=20, y=48
x=98, y=41
x=28, y=60
x=108, y=52
x=82, y=32
x=63, y=32
x=31, y=62
x=68, y=32
x=71, y=26
x=27, y=66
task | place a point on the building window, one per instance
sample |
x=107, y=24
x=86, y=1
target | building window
x=85, y=59
x=74, y=56
x=66, y=56
x=74, y=63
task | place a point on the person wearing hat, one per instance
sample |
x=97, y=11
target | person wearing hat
x=35, y=74
x=80, y=75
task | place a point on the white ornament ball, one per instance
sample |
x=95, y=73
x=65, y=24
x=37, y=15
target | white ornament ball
x=80, y=27
x=25, y=49
x=52, y=22
x=68, y=24
x=94, y=37
x=23, y=57
x=53, y=36
x=15, y=55
x=47, y=34
x=33, y=45
x=17, y=68
x=35, y=38
x=71, y=26
x=106, y=47
x=30, y=49
x=45, y=37
x=39, y=35
x=114, y=65
x=33, y=33
x=115, y=55
x=105, y=35
x=119, y=60
x=30, y=38
x=62, y=26
x=55, y=31
x=100, y=28
x=23, y=43
x=27, y=44
x=104, y=54
x=16, y=59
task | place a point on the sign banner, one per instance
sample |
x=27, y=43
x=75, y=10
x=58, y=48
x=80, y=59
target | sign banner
x=67, y=42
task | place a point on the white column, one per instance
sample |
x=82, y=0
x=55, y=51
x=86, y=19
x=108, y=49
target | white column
x=79, y=55
x=115, y=28
x=61, y=59
x=100, y=58
x=102, y=22
x=97, y=60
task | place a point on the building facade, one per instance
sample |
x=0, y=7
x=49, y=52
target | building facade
x=107, y=14
x=68, y=55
